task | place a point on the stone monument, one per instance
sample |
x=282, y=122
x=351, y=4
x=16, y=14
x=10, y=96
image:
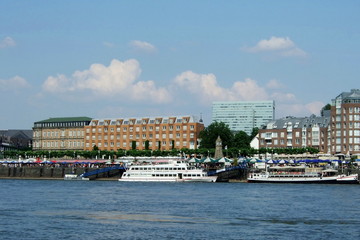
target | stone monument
x=218, y=148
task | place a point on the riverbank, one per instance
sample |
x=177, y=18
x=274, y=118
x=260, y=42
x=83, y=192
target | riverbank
x=53, y=173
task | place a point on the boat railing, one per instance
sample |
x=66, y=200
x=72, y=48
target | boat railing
x=312, y=174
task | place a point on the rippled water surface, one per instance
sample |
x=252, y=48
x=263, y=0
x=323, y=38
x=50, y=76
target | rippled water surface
x=40, y=209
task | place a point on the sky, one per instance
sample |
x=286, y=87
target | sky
x=129, y=58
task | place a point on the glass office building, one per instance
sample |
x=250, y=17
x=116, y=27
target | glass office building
x=243, y=115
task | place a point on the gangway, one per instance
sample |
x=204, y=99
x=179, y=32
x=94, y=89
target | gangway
x=86, y=175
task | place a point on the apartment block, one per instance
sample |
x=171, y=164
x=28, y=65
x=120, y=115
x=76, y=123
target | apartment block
x=60, y=133
x=153, y=133
x=291, y=132
x=345, y=123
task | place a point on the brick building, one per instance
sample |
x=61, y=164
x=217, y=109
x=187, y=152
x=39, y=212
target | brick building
x=164, y=133
x=345, y=123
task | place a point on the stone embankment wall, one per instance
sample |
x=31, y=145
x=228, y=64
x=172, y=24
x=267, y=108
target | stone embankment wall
x=51, y=173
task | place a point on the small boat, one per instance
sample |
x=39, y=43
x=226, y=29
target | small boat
x=72, y=176
x=172, y=171
x=301, y=174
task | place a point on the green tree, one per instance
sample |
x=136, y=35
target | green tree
x=325, y=108
x=210, y=133
x=133, y=145
x=241, y=140
x=254, y=132
x=147, y=145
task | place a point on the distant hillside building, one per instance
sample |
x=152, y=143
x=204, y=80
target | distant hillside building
x=154, y=133
x=292, y=132
x=243, y=115
x=345, y=123
x=60, y=133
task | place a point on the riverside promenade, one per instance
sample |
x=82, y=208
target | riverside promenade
x=55, y=170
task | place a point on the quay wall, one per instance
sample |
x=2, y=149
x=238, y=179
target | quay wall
x=52, y=173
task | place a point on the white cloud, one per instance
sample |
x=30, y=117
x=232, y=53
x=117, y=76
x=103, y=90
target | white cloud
x=7, y=42
x=283, y=46
x=13, y=83
x=206, y=88
x=142, y=46
x=273, y=44
x=117, y=79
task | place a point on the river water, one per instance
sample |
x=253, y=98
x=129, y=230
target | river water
x=47, y=209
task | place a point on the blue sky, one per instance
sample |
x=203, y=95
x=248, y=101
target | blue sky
x=108, y=59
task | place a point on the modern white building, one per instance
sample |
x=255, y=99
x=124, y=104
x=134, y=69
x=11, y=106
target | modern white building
x=243, y=115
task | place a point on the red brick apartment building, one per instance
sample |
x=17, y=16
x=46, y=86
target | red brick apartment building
x=164, y=133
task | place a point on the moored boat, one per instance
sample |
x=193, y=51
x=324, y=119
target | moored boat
x=172, y=171
x=301, y=174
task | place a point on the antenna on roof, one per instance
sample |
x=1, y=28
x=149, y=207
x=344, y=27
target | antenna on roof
x=201, y=118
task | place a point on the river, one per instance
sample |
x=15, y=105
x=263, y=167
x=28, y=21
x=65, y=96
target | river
x=55, y=209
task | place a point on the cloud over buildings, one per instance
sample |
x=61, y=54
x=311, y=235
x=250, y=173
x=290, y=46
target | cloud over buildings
x=119, y=82
x=206, y=88
x=119, y=78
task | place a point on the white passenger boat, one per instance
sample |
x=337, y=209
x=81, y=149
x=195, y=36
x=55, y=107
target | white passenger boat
x=301, y=174
x=172, y=171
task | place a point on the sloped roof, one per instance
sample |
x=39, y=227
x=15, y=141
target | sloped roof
x=296, y=122
x=65, y=119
